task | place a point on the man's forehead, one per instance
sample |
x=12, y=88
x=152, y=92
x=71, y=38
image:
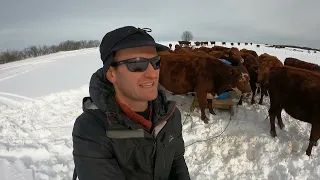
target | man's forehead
x=145, y=51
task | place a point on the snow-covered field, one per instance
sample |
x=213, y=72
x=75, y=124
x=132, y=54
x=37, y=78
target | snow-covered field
x=41, y=97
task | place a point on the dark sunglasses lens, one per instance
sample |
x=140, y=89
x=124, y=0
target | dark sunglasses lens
x=138, y=66
x=156, y=64
x=142, y=66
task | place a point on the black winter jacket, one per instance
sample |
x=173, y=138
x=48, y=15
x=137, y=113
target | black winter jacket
x=107, y=145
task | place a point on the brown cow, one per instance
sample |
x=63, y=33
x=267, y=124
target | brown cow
x=266, y=62
x=177, y=46
x=183, y=73
x=249, y=51
x=251, y=64
x=219, y=55
x=244, y=55
x=205, y=49
x=235, y=56
x=293, y=62
x=183, y=50
x=296, y=91
x=219, y=48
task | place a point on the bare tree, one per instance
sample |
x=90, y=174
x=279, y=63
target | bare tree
x=34, y=51
x=186, y=36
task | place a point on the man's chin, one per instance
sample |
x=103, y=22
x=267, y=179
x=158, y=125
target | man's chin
x=151, y=96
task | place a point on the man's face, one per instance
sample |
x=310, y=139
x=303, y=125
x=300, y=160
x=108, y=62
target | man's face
x=135, y=86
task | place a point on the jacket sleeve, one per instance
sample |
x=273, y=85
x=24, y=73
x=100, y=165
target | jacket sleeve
x=179, y=169
x=92, y=157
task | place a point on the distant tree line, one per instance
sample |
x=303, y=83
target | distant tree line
x=34, y=51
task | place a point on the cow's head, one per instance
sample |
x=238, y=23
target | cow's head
x=235, y=56
x=242, y=77
x=238, y=80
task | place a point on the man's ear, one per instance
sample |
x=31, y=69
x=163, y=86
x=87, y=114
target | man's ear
x=111, y=75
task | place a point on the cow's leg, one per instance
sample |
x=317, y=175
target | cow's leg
x=193, y=104
x=240, y=100
x=202, y=99
x=209, y=101
x=280, y=123
x=272, y=116
x=261, y=94
x=254, y=88
x=273, y=111
x=314, y=137
x=258, y=90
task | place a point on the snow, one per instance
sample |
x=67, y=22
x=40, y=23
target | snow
x=41, y=97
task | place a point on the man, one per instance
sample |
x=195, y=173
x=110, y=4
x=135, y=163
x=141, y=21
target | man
x=128, y=129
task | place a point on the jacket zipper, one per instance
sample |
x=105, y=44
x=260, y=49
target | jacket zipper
x=155, y=140
x=165, y=119
x=152, y=156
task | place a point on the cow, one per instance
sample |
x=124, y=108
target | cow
x=223, y=43
x=197, y=43
x=251, y=64
x=296, y=91
x=220, y=48
x=244, y=51
x=183, y=50
x=239, y=43
x=183, y=73
x=266, y=63
x=205, y=49
x=177, y=46
x=301, y=64
x=262, y=57
x=231, y=44
x=219, y=54
x=170, y=46
x=212, y=42
x=235, y=56
x=184, y=43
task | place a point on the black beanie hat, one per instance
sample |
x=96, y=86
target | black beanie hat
x=126, y=37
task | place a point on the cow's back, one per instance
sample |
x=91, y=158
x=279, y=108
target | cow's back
x=293, y=62
x=297, y=90
x=178, y=72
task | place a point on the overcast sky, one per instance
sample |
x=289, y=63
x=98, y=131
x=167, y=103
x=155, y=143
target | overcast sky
x=38, y=22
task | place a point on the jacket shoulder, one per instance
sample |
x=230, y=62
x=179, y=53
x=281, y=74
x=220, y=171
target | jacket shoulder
x=90, y=124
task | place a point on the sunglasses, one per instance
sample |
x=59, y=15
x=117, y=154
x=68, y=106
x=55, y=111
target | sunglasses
x=139, y=64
